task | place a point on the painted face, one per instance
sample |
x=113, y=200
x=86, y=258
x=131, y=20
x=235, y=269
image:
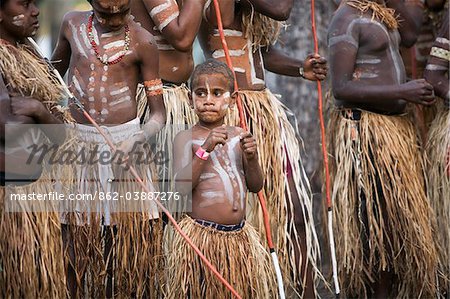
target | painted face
x=211, y=98
x=112, y=14
x=19, y=19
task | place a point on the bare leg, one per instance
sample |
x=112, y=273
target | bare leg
x=108, y=257
x=382, y=287
x=301, y=253
x=68, y=247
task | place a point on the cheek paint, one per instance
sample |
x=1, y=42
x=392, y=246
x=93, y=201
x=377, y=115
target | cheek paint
x=18, y=20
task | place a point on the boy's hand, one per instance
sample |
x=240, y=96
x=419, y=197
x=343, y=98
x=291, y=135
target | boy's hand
x=248, y=144
x=217, y=136
x=418, y=91
x=315, y=67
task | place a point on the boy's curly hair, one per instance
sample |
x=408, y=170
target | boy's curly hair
x=210, y=67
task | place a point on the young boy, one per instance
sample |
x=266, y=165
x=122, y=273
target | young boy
x=220, y=164
x=251, y=29
x=438, y=145
x=381, y=210
x=30, y=246
x=107, y=54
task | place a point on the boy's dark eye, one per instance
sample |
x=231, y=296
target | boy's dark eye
x=218, y=93
x=200, y=93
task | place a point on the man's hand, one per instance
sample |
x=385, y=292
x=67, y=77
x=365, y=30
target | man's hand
x=27, y=106
x=127, y=147
x=217, y=136
x=419, y=92
x=315, y=67
x=248, y=145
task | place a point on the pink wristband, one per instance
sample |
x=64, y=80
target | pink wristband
x=202, y=154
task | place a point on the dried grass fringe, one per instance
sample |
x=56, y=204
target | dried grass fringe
x=31, y=258
x=437, y=158
x=261, y=30
x=277, y=142
x=137, y=248
x=401, y=240
x=27, y=75
x=238, y=256
x=380, y=12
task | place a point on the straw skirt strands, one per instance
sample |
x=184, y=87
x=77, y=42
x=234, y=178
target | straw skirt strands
x=237, y=255
x=31, y=259
x=438, y=161
x=119, y=209
x=279, y=157
x=381, y=212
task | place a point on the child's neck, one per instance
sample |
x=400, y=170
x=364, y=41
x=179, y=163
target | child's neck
x=210, y=126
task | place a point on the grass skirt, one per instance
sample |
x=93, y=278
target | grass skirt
x=238, y=256
x=31, y=258
x=438, y=155
x=277, y=146
x=127, y=225
x=382, y=216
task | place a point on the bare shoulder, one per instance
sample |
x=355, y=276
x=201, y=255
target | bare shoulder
x=184, y=136
x=141, y=34
x=342, y=18
x=76, y=16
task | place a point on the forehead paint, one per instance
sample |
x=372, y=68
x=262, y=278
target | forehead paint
x=18, y=20
x=174, y=69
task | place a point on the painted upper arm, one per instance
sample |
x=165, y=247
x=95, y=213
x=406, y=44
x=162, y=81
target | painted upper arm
x=162, y=12
x=343, y=44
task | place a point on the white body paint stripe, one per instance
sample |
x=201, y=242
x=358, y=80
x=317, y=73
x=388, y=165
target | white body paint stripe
x=228, y=32
x=77, y=40
x=119, y=91
x=116, y=44
x=159, y=8
x=168, y=20
x=233, y=53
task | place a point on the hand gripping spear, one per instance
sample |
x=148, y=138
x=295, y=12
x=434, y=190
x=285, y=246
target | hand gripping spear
x=71, y=97
x=243, y=125
x=325, y=162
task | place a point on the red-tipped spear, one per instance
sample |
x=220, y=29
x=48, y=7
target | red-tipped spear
x=325, y=162
x=243, y=125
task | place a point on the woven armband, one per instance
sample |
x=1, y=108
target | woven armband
x=153, y=87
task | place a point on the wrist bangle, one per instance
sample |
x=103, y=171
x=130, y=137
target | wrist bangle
x=301, y=71
x=202, y=153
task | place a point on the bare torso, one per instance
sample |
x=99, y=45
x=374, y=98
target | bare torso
x=220, y=193
x=377, y=62
x=107, y=91
x=247, y=61
x=174, y=66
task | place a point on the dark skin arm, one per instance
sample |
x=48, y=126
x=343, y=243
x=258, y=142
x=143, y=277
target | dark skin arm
x=149, y=67
x=315, y=67
x=279, y=11
x=7, y=117
x=253, y=174
x=410, y=21
x=342, y=62
x=438, y=74
x=182, y=31
x=61, y=54
x=187, y=177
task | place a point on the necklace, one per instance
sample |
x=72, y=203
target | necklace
x=94, y=45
